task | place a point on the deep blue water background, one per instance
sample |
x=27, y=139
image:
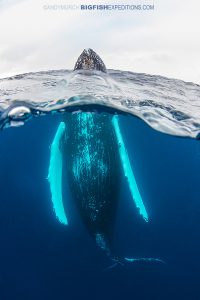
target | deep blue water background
x=42, y=259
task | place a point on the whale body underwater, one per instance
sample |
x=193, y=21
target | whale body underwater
x=90, y=147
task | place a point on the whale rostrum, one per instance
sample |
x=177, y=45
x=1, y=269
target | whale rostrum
x=90, y=60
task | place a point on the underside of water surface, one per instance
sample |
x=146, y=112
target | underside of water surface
x=167, y=105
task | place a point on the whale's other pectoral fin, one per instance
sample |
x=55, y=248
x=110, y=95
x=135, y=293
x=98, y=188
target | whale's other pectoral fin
x=55, y=175
x=128, y=171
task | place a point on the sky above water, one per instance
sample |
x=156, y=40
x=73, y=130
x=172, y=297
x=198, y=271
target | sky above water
x=37, y=35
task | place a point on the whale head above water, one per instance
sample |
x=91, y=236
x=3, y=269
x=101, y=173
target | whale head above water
x=90, y=60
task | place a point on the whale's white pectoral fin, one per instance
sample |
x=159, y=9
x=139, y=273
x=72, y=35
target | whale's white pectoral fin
x=55, y=175
x=128, y=171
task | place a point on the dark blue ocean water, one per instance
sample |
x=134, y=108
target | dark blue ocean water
x=45, y=260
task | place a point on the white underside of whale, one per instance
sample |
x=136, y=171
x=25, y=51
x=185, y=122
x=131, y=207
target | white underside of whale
x=55, y=175
x=128, y=171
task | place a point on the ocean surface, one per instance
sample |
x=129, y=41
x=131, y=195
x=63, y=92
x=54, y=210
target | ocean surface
x=41, y=258
x=168, y=105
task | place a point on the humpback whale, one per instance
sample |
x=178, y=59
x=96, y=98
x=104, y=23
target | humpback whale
x=90, y=147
